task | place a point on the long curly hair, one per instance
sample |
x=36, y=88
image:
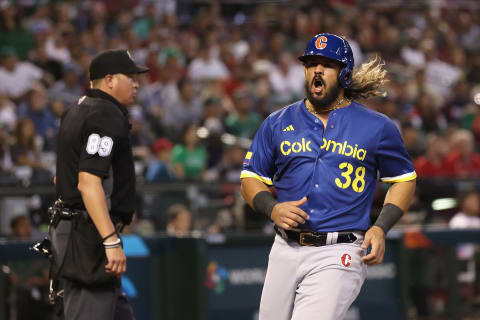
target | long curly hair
x=367, y=80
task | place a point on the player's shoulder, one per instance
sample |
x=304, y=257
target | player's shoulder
x=368, y=116
x=286, y=112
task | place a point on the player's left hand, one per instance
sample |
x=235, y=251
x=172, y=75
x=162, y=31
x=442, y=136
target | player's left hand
x=375, y=237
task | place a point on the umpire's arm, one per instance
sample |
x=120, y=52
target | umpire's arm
x=286, y=215
x=93, y=196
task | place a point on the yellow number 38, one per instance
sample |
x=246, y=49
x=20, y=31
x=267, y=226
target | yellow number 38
x=358, y=183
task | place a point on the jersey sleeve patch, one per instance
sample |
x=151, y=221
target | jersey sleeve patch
x=101, y=145
x=249, y=174
x=246, y=161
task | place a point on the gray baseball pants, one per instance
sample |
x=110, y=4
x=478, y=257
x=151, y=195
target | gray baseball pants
x=307, y=283
x=95, y=303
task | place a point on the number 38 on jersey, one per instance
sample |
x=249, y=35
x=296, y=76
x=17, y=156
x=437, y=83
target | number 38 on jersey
x=358, y=182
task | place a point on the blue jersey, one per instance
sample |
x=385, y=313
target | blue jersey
x=336, y=168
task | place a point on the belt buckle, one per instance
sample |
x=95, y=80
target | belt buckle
x=301, y=240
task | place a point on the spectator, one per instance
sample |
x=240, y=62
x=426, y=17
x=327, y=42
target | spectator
x=69, y=88
x=433, y=163
x=388, y=41
x=284, y=79
x=229, y=168
x=462, y=160
x=212, y=121
x=140, y=226
x=56, y=47
x=468, y=30
x=21, y=228
x=26, y=151
x=414, y=140
x=13, y=32
x=190, y=157
x=471, y=120
x=457, y=104
x=174, y=64
x=141, y=136
x=150, y=97
x=237, y=79
x=179, y=220
x=238, y=44
x=6, y=163
x=426, y=116
x=8, y=116
x=52, y=68
x=473, y=72
x=410, y=52
x=37, y=108
x=16, y=77
x=224, y=222
x=467, y=218
x=182, y=107
x=413, y=89
x=262, y=89
x=205, y=67
x=243, y=121
x=440, y=76
x=469, y=215
x=160, y=168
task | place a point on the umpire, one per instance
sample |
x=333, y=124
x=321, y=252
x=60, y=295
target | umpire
x=95, y=185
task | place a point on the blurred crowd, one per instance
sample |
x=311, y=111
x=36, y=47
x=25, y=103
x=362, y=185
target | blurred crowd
x=218, y=69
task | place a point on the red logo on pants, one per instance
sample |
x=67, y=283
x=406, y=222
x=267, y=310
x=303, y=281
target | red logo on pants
x=346, y=258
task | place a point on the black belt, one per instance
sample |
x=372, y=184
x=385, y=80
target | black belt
x=312, y=238
x=59, y=212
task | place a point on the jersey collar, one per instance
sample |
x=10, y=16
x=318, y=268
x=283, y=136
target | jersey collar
x=303, y=107
x=96, y=93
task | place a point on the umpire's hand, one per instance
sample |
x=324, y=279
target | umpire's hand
x=288, y=215
x=117, y=261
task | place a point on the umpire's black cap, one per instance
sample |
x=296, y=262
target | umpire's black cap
x=113, y=62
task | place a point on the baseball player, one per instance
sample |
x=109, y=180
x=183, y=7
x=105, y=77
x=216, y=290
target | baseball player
x=324, y=155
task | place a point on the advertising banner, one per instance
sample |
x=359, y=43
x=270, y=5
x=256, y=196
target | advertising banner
x=234, y=279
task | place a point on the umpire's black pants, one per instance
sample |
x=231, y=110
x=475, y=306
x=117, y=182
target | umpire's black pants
x=95, y=303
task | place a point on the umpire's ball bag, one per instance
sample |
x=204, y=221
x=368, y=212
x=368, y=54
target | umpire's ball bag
x=78, y=253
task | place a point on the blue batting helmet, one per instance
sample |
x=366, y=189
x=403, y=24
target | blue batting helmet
x=333, y=47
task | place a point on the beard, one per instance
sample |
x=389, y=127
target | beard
x=322, y=105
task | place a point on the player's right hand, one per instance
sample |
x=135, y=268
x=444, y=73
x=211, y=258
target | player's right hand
x=117, y=261
x=288, y=215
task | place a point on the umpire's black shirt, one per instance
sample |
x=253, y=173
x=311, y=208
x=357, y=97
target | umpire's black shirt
x=94, y=137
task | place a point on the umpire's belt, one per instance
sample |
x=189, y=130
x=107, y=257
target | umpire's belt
x=316, y=239
x=57, y=213
x=64, y=213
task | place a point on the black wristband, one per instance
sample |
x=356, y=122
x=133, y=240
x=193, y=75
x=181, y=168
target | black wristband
x=389, y=215
x=263, y=202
